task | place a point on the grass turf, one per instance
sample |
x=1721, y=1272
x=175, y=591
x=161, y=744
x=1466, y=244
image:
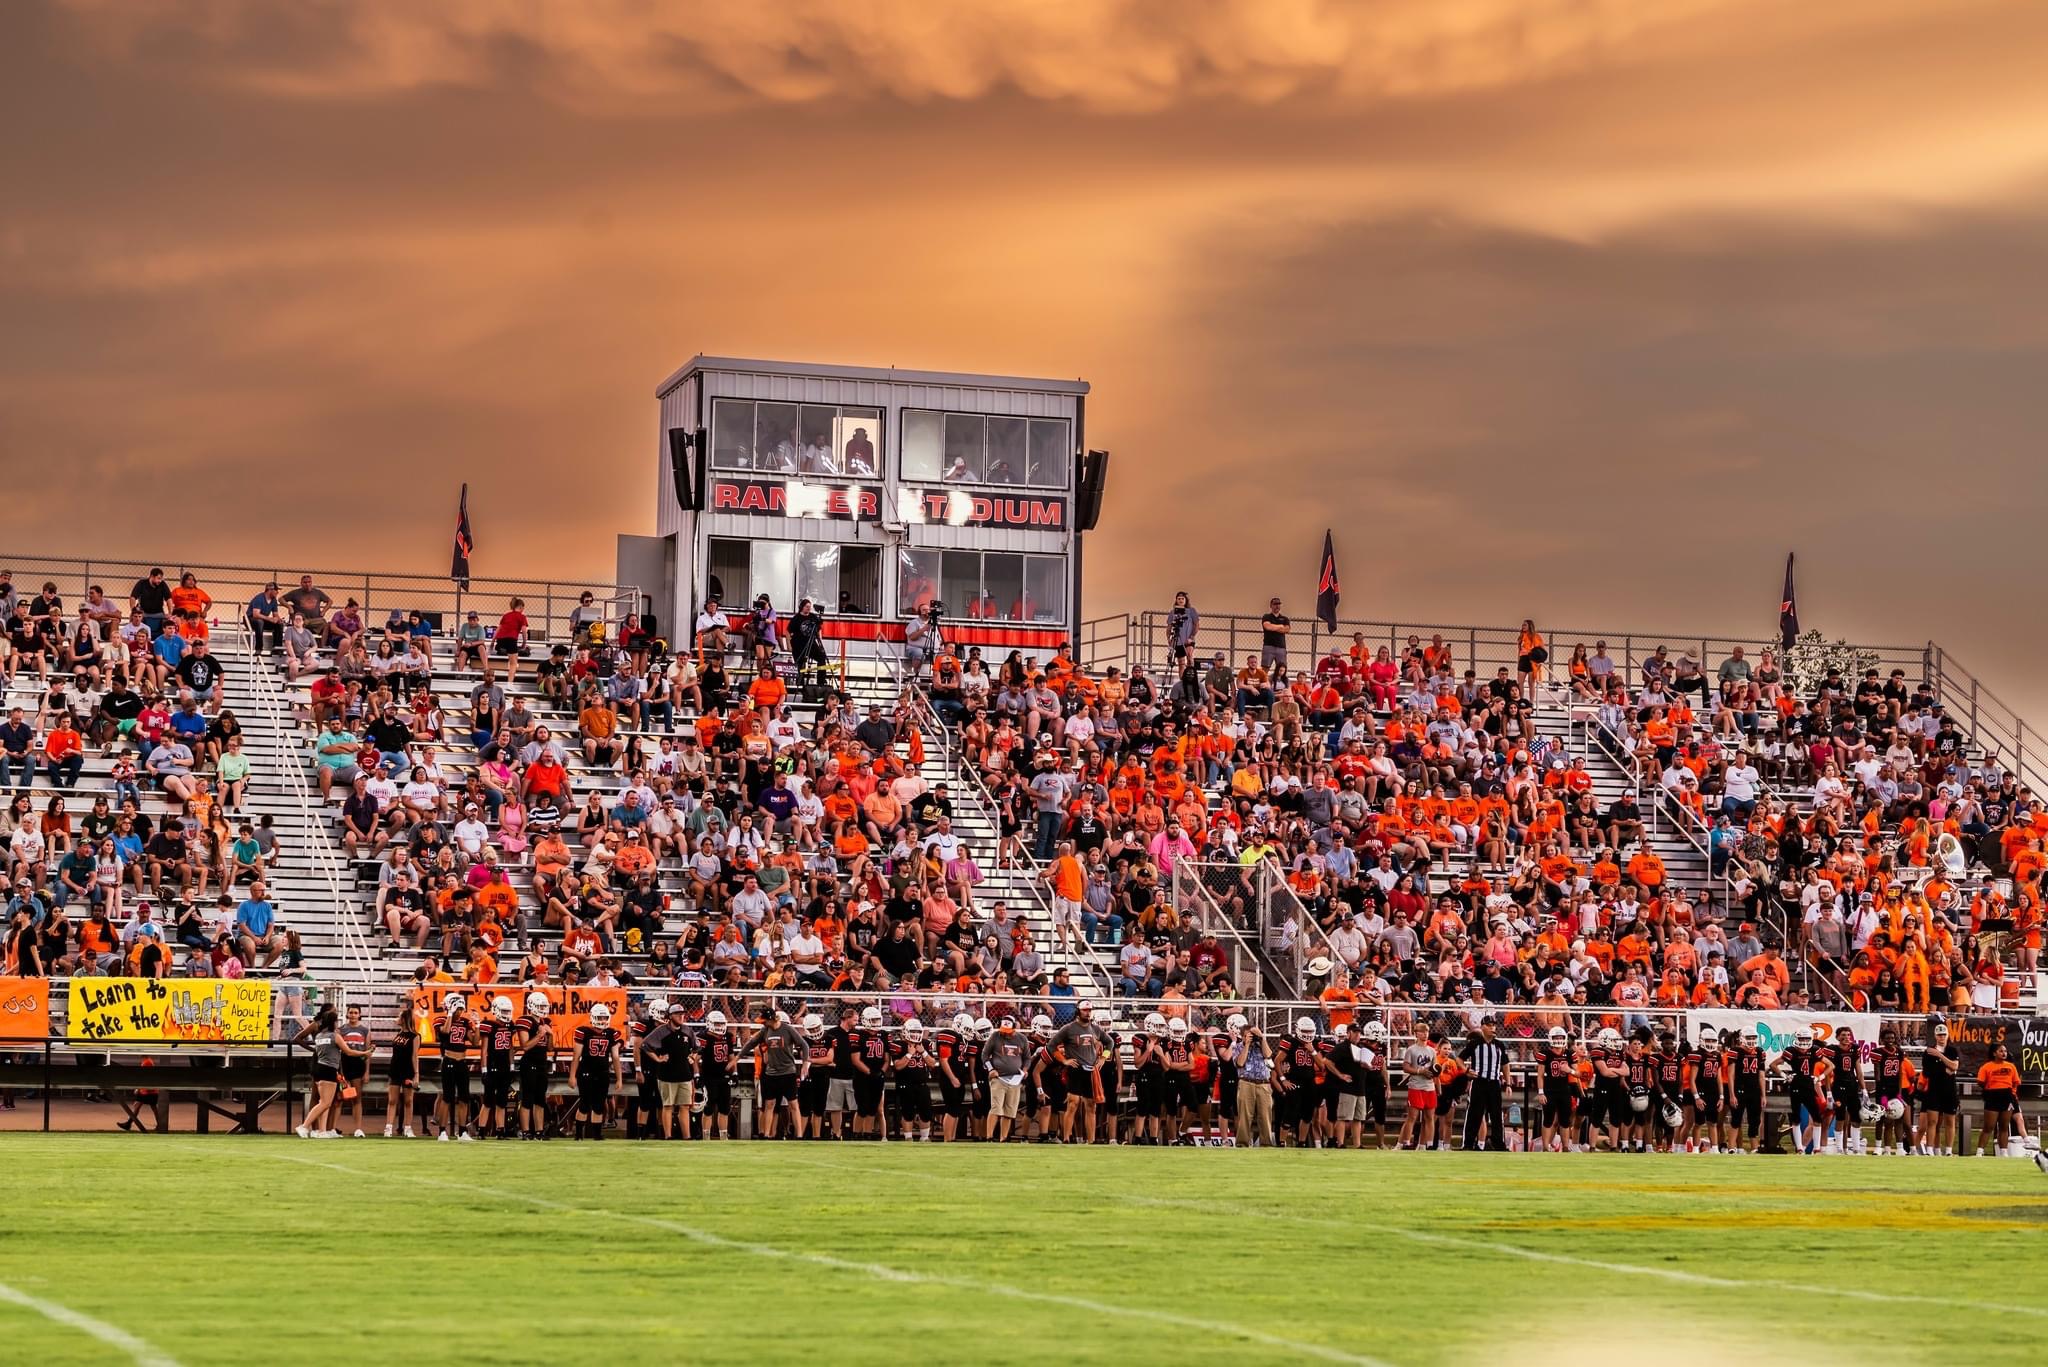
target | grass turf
x=280, y=1250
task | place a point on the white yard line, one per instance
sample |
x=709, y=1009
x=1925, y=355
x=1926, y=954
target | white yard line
x=143, y=1353
x=877, y=1271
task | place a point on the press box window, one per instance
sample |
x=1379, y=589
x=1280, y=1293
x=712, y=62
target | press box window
x=982, y=585
x=841, y=580
x=973, y=448
x=815, y=441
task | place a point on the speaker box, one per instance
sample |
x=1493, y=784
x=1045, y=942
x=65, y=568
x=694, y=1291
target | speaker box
x=688, y=466
x=1094, y=479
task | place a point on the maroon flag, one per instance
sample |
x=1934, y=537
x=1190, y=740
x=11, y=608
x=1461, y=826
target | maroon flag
x=1326, y=584
x=458, y=567
x=1788, y=610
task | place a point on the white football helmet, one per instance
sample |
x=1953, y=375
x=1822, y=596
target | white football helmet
x=963, y=1022
x=600, y=1014
x=1236, y=1023
x=984, y=1027
x=913, y=1029
x=501, y=1008
x=1610, y=1038
x=657, y=1006
x=1041, y=1024
x=715, y=1022
x=871, y=1017
x=1803, y=1036
x=455, y=1004
x=1155, y=1023
x=1177, y=1028
x=1376, y=1031
x=1672, y=1115
x=1639, y=1101
x=1894, y=1108
x=537, y=1003
x=1305, y=1027
x=1872, y=1110
x=814, y=1024
x=1559, y=1036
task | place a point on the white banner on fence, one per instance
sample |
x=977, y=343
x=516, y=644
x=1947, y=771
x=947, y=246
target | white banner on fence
x=1775, y=1028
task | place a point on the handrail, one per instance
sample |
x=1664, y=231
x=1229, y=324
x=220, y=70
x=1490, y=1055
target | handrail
x=922, y=711
x=319, y=843
x=549, y=601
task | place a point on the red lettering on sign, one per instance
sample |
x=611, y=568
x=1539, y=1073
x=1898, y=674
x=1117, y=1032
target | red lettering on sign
x=1047, y=514
x=870, y=505
x=725, y=496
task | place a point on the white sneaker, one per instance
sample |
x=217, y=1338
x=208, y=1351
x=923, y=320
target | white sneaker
x=2041, y=1159
x=303, y=1133
x=466, y=1137
x=360, y=1135
x=327, y=1134
x=409, y=1134
x=443, y=1136
x=387, y=1131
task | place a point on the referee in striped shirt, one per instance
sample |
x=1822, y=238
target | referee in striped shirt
x=1488, y=1061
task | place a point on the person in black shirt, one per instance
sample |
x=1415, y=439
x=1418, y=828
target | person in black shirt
x=672, y=1053
x=1273, y=627
x=152, y=594
x=201, y=673
x=458, y=1044
x=402, y=1076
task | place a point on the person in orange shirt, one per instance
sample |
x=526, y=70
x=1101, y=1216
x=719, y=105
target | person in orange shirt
x=1647, y=870
x=1999, y=1080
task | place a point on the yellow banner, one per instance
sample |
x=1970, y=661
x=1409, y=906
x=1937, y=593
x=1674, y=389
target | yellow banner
x=159, y=1010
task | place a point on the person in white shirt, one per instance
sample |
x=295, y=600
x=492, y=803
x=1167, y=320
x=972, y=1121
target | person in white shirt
x=944, y=841
x=1348, y=942
x=471, y=835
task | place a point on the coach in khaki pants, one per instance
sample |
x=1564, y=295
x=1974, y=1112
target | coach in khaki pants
x=1006, y=1058
x=1254, y=1089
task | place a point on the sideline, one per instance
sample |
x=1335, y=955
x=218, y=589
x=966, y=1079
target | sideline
x=1670, y=1274
x=878, y=1271
x=143, y=1353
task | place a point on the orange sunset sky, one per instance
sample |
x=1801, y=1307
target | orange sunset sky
x=1576, y=309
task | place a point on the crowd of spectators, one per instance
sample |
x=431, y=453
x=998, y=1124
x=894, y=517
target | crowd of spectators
x=129, y=848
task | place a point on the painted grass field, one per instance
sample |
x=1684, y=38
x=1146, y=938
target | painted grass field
x=268, y=1250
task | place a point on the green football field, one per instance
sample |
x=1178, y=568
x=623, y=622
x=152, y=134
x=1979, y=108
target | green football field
x=220, y=1250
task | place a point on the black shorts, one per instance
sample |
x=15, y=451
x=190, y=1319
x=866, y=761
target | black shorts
x=593, y=1093
x=1998, y=1100
x=500, y=646
x=1081, y=1083
x=1558, y=1105
x=952, y=1097
x=867, y=1094
x=455, y=1080
x=810, y=1096
x=1052, y=1091
x=355, y=1070
x=1151, y=1094
x=497, y=1087
x=777, y=1088
x=533, y=1086
x=1746, y=1111
x=1452, y=1092
x=1376, y=1097
x=1940, y=1097
x=323, y=1073
x=1710, y=1106
x=717, y=1088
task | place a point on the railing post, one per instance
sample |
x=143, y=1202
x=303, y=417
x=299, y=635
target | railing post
x=1973, y=710
x=1471, y=649
x=548, y=616
x=48, y=1081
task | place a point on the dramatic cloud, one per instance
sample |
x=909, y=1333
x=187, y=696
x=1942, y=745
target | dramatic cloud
x=1586, y=308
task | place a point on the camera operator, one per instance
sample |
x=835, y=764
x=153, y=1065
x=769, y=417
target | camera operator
x=1253, y=1059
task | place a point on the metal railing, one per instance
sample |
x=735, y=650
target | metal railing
x=926, y=717
x=549, y=602
x=326, y=862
